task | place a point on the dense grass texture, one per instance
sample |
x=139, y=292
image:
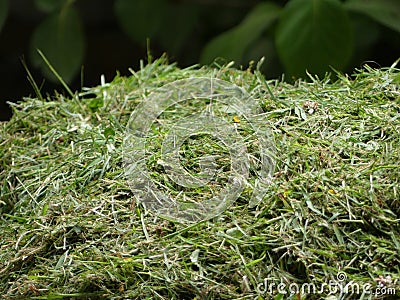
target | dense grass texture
x=71, y=227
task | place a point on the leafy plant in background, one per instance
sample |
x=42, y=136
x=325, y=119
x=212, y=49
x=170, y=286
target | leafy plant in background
x=308, y=35
x=167, y=22
x=311, y=35
x=60, y=37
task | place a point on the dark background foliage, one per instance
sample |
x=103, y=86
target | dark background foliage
x=84, y=39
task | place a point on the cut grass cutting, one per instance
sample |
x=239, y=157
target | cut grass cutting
x=327, y=228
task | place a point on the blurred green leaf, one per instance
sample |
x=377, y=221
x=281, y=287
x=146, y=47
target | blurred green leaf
x=232, y=44
x=3, y=12
x=140, y=19
x=181, y=20
x=49, y=5
x=386, y=12
x=314, y=35
x=60, y=37
x=366, y=35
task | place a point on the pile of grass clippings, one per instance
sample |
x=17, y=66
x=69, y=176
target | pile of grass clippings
x=71, y=227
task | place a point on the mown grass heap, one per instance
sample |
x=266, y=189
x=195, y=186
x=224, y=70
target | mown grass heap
x=70, y=225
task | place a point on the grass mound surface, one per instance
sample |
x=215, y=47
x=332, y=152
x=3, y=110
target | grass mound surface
x=71, y=226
